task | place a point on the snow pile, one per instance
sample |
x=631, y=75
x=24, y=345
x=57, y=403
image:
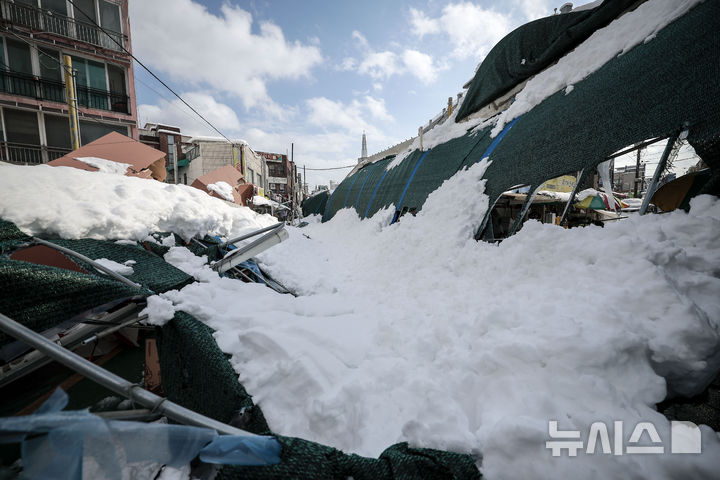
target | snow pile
x=72, y=203
x=223, y=189
x=124, y=269
x=105, y=166
x=416, y=332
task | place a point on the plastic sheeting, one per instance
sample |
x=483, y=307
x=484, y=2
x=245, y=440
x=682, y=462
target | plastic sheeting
x=54, y=443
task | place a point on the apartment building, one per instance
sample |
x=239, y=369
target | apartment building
x=34, y=36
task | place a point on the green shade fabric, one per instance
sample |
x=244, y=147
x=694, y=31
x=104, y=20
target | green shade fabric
x=654, y=90
x=531, y=48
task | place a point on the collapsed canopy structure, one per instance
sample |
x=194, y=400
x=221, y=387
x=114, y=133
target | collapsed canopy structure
x=655, y=90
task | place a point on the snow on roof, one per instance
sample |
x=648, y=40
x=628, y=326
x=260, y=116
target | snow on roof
x=200, y=138
x=116, y=147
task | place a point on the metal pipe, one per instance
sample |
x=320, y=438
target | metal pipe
x=578, y=181
x=656, y=176
x=113, y=382
x=633, y=148
x=238, y=256
x=249, y=235
x=526, y=206
x=82, y=257
x=112, y=330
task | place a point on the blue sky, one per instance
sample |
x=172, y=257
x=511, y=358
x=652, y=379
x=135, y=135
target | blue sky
x=313, y=73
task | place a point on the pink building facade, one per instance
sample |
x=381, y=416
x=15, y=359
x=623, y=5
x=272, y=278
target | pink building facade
x=36, y=34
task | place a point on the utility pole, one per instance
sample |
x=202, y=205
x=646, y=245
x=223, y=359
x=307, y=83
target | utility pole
x=304, y=180
x=71, y=96
x=636, y=187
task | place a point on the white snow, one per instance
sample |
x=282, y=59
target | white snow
x=417, y=332
x=159, y=311
x=105, y=166
x=73, y=203
x=223, y=189
x=124, y=269
x=260, y=200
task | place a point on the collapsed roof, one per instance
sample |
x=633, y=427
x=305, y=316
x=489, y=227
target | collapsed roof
x=656, y=89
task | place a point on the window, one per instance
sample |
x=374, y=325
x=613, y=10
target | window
x=57, y=131
x=90, y=131
x=251, y=175
x=21, y=127
x=91, y=83
x=110, y=16
x=56, y=23
x=51, y=75
x=118, y=93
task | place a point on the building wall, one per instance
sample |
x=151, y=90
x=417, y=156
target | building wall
x=34, y=81
x=213, y=154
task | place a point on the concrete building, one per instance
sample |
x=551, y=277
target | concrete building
x=33, y=108
x=624, y=179
x=168, y=139
x=206, y=154
x=282, y=177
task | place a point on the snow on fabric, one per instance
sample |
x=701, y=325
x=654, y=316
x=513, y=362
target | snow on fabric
x=72, y=203
x=223, y=189
x=105, y=166
x=417, y=332
x=120, y=268
x=620, y=36
x=631, y=29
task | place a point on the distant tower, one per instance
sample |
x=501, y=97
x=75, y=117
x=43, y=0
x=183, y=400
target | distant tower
x=363, y=154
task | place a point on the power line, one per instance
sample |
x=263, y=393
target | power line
x=75, y=7
x=334, y=168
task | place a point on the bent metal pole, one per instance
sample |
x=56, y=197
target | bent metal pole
x=113, y=382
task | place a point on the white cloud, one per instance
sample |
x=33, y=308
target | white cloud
x=352, y=117
x=534, y=9
x=360, y=39
x=471, y=29
x=380, y=65
x=420, y=65
x=348, y=64
x=423, y=25
x=183, y=40
x=174, y=112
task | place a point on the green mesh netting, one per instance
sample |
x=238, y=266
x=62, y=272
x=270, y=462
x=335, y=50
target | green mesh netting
x=315, y=205
x=651, y=91
x=197, y=375
x=654, y=90
x=531, y=48
x=41, y=297
x=149, y=270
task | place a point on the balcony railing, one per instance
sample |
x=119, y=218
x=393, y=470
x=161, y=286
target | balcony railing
x=53, y=90
x=26, y=154
x=48, y=21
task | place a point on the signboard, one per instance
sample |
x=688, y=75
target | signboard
x=566, y=183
